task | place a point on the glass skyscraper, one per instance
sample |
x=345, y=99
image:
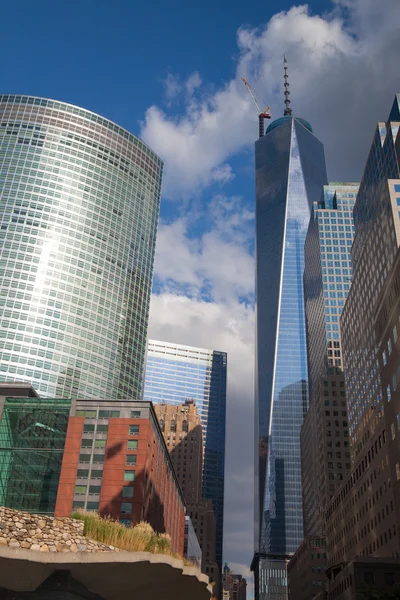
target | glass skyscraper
x=175, y=373
x=79, y=205
x=290, y=174
x=325, y=451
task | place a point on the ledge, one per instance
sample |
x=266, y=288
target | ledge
x=113, y=576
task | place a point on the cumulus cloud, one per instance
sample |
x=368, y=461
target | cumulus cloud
x=343, y=73
x=216, y=264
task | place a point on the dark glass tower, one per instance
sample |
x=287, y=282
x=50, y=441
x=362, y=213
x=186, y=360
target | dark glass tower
x=290, y=173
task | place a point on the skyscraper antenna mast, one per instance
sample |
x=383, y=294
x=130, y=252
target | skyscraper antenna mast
x=288, y=111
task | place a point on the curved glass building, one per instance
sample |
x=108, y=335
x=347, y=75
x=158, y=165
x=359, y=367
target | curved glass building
x=79, y=206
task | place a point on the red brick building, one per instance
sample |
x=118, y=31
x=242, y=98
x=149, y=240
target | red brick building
x=116, y=461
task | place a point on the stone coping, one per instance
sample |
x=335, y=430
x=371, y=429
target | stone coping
x=113, y=576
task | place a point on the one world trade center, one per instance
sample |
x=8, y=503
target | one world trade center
x=290, y=173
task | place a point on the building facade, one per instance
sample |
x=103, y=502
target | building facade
x=183, y=435
x=324, y=440
x=307, y=569
x=362, y=517
x=290, y=173
x=103, y=455
x=176, y=373
x=234, y=585
x=181, y=427
x=192, y=548
x=365, y=578
x=78, y=223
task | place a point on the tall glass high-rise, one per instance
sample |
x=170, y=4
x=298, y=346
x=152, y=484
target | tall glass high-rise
x=290, y=173
x=175, y=373
x=79, y=205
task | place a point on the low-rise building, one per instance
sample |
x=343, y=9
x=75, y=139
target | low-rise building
x=363, y=578
x=104, y=455
x=306, y=569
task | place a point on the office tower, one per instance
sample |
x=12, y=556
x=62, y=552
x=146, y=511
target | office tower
x=181, y=427
x=363, y=516
x=324, y=438
x=78, y=220
x=176, y=373
x=103, y=455
x=183, y=436
x=324, y=441
x=234, y=585
x=290, y=173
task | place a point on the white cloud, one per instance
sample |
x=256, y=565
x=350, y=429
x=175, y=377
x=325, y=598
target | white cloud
x=193, y=83
x=218, y=264
x=343, y=74
x=172, y=86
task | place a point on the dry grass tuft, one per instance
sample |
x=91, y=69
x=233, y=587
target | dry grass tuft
x=140, y=538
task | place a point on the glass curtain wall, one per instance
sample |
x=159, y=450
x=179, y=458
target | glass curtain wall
x=78, y=220
x=290, y=173
x=32, y=438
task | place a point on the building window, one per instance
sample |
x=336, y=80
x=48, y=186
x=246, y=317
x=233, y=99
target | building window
x=98, y=458
x=369, y=577
x=100, y=443
x=162, y=425
x=96, y=474
x=129, y=476
x=88, y=414
x=185, y=426
x=173, y=425
x=92, y=505
x=94, y=489
x=131, y=459
x=87, y=428
x=106, y=414
x=102, y=428
x=85, y=443
x=135, y=414
x=125, y=522
x=127, y=491
x=126, y=508
x=132, y=444
x=133, y=429
x=388, y=393
x=78, y=504
x=80, y=490
x=84, y=458
x=83, y=473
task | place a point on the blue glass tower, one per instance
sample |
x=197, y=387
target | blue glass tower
x=175, y=373
x=290, y=174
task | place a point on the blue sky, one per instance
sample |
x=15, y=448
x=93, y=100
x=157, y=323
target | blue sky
x=170, y=72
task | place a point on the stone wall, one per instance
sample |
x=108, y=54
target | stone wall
x=45, y=534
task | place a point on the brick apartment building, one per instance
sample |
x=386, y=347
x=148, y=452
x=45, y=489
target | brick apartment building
x=103, y=455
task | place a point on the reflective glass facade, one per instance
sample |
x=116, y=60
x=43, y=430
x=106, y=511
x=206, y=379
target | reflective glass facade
x=176, y=373
x=327, y=276
x=376, y=242
x=32, y=438
x=290, y=173
x=79, y=205
x=325, y=451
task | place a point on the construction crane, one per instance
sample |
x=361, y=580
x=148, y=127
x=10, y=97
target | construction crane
x=261, y=114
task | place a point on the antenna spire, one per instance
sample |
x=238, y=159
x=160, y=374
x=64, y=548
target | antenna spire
x=288, y=111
